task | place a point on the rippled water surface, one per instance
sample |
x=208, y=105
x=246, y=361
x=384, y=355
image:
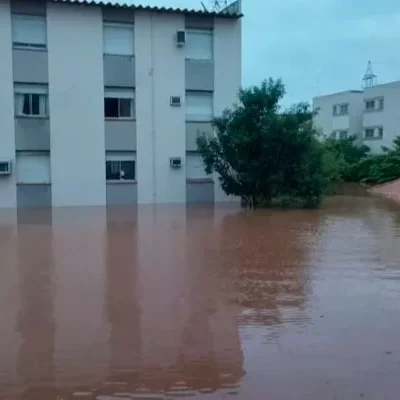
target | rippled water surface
x=169, y=303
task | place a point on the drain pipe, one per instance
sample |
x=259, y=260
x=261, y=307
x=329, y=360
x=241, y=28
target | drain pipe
x=153, y=110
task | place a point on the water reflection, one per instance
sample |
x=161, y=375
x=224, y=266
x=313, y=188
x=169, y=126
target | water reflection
x=170, y=302
x=35, y=321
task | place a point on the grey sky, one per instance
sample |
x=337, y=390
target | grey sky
x=316, y=46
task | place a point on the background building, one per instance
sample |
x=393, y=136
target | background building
x=102, y=104
x=370, y=114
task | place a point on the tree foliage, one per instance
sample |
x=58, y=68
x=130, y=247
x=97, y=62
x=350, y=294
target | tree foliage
x=382, y=168
x=265, y=155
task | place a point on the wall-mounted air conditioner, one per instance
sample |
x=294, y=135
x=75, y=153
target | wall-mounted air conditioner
x=5, y=167
x=175, y=101
x=181, y=38
x=175, y=162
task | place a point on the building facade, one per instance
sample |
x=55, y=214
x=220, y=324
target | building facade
x=102, y=105
x=370, y=114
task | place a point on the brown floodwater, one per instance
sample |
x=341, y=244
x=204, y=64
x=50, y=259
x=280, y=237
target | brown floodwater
x=168, y=303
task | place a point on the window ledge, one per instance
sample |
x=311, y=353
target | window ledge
x=199, y=180
x=341, y=115
x=42, y=49
x=373, y=111
x=120, y=119
x=31, y=117
x=207, y=121
x=33, y=184
x=374, y=138
x=119, y=55
x=200, y=61
x=122, y=182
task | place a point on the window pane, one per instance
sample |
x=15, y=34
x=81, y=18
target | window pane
x=369, y=133
x=26, y=109
x=380, y=132
x=343, y=135
x=195, y=168
x=111, y=108
x=128, y=170
x=199, y=106
x=43, y=105
x=113, y=170
x=199, y=45
x=370, y=105
x=125, y=107
x=118, y=39
x=29, y=30
x=35, y=104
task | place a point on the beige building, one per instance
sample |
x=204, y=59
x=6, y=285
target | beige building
x=370, y=114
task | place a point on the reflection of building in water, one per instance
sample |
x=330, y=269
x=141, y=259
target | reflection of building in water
x=122, y=304
x=171, y=331
x=268, y=261
x=35, y=322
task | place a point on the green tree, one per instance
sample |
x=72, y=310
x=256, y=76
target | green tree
x=340, y=158
x=381, y=168
x=264, y=155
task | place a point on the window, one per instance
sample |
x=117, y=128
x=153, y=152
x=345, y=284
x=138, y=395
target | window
x=199, y=106
x=195, y=168
x=120, y=167
x=373, y=133
x=340, y=109
x=29, y=31
x=380, y=104
x=344, y=109
x=333, y=135
x=119, y=103
x=370, y=105
x=118, y=39
x=199, y=44
x=369, y=133
x=343, y=134
x=31, y=100
x=33, y=168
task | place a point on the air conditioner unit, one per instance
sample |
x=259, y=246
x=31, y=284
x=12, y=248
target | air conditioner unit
x=5, y=167
x=181, y=38
x=175, y=101
x=175, y=162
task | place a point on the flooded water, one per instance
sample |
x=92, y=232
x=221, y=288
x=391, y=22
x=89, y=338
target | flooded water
x=169, y=303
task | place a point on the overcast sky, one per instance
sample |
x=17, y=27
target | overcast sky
x=316, y=46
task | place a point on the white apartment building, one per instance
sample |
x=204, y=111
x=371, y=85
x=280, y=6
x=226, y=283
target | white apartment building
x=101, y=104
x=370, y=114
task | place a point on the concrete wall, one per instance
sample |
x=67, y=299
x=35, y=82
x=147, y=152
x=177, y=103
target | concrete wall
x=121, y=193
x=37, y=195
x=32, y=134
x=328, y=123
x=195, y=129
x=76, y=94
x=199, y=192
x=388, y=118
x=199, y=75
x=227, y=81
x=30, y=65
x=160, y=127
x=119, y=71
x=7, y=137
x=120, y=135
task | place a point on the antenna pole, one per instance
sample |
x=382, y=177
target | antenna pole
x=369, y=79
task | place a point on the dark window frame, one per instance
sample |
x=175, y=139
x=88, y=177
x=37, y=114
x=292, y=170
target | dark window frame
x=112, y=166
x=30, y=110
x=119, y=108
